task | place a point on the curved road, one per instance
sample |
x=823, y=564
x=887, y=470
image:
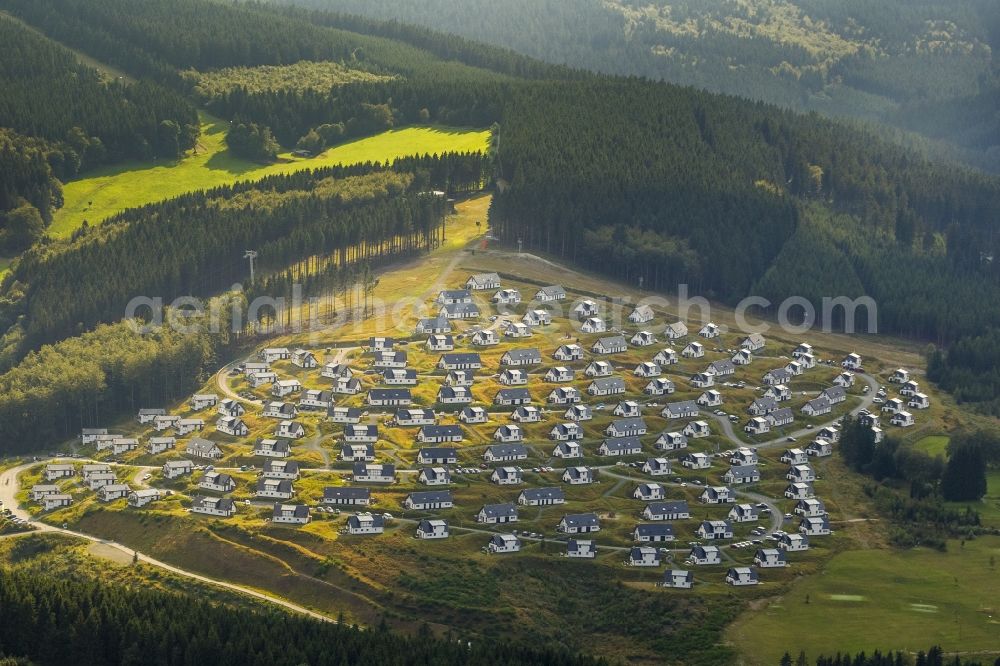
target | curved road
x=867, y=400
x=9, y=488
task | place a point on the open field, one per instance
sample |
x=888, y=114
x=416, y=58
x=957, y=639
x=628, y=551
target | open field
x=105, y=192
x=870, y=599
x=933, y=445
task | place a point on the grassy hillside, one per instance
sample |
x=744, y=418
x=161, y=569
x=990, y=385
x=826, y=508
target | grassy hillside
x=925, y=67
x=112, y=190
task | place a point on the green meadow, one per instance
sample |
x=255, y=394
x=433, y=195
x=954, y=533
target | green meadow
x=868, y=599
x=108, y=191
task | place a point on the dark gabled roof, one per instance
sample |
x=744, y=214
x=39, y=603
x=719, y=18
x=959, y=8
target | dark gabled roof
x=298, y=510
x=608, y=382
x=514, y=393
x=581, y=519
x=622, y=443
x=543, y=493
x=283, y=485
x=361, y=468
x=430, y=496
x=507, y=449
x=441, y=430
x=461, y=358
x=411, y=413
x=345, y=492
x=506, y=509
x=286, y=466
x=654, y=529
x=389, y=393
x=438, y=452
x=522, y=354
x=612, y=341
x=628, y=423
x=671, y=506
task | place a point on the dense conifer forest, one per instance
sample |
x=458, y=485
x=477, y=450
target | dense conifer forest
x=641, y=179
x=923, y=67
x=54, y=622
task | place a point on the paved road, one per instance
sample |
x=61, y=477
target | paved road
x=9, y=488
x=730, y=434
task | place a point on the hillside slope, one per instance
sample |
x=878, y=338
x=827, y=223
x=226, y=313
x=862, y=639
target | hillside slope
x=925, y=67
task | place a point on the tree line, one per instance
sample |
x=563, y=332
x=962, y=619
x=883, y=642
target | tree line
x=912, y=487
x=59, y=621
x=932, y=657
x=92, y=118
x=194, y=245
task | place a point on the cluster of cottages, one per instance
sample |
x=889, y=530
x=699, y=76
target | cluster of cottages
x=98, y=478
x=622, y=436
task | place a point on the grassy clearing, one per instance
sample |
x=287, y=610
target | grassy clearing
x=298, y=77
x=108, y=191
x=873, y=599
x=933, y=445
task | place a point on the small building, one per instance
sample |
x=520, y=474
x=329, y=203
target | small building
x=742, y=474
x=507, y=476
x=432, y=528
x=576, y=476
x=541, y=497
x=290, y=514
x=579, y=523
x=373, y=473
x=483, y=281
x=643, y=556
x=791, y=543
x=173, y=469
x=504, y=543
x=770, y=558
x=274, y=488
x=656, y=466
x=505, y=453
x=112, y=492
x=715, y=529
x=717, y=495
x=653, y=532
x=430, y=499
x=222, y=507
x=671, y=510
x=741, y=576
x=290, y=430
x=705, y=555
x=365, y=523
x=744, y=513
x=272, y=448
x=678, y=579
x=696, y=460
x=203, y=448
x=434, y=476
x=649, y=492
x=232, y=426
x=140, y=498
x=581, y=548
x=492, y=514
x=346, y=496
